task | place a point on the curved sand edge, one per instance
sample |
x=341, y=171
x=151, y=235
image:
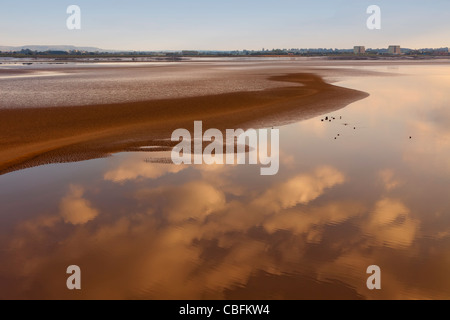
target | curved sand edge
x=32, y=137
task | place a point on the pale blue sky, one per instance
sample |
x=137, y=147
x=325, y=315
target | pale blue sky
x=225, y=25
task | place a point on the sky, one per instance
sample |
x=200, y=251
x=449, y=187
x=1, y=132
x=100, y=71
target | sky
x=225, y=25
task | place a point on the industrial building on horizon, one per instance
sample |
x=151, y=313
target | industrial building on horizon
x=359, y=50
x=394, y=50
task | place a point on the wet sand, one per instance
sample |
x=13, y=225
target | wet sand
x=36, y=136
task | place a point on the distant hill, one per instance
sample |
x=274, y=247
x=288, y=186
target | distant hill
x=53, y=48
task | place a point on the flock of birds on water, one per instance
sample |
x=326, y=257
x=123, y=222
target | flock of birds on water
x=330, y=119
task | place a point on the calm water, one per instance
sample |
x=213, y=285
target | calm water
x=375, y=195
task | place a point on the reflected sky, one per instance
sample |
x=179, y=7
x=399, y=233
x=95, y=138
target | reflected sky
x=368, y=188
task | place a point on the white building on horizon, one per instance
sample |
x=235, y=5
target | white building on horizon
x=394, y=50
x=359, y=50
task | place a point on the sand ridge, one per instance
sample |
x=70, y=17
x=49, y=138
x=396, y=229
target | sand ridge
x=36, y=136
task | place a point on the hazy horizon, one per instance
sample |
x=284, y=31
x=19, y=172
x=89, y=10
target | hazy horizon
x=213, y=25
x=112, y=50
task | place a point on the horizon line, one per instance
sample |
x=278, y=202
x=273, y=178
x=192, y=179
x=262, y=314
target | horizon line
x=218, y=50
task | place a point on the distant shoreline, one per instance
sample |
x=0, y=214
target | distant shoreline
x=177, y=58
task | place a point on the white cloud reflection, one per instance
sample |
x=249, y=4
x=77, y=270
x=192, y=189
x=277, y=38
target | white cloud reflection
x=135, y=168
x=75, y=209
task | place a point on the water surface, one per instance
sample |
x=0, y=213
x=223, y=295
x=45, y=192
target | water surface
x=369, y=188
